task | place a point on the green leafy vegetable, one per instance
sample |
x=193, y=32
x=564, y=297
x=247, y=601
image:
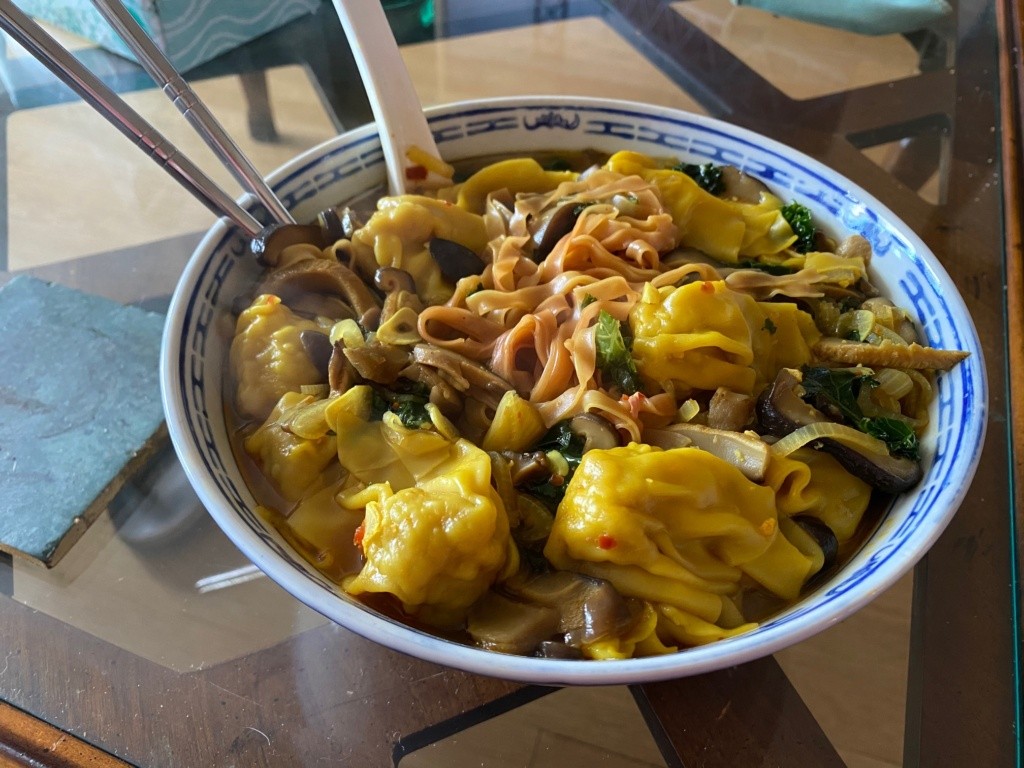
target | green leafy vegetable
x=769, y=326
x=562, y=439
x=614, y=360
x=802, y=224
x=411, y=407
x=837, y=390
x=708, y=176
x=588, y=298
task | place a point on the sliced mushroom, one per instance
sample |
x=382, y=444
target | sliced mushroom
x=455, y=260
x=467, y=376
x=390, y=280
x=781, y=410
x=320, y=276
x=555, y=649
x=318, y=348
x=730, y=410
x=527, y=468
x=589, y=608
x=747, y=452
x=330, y=226
x=551, y=226
x=823, y=536
x=382, y=363
x=340, y=373
x=597, y=432
x=442, y=393
x=509, y=626
x=399, y=295
x=269, y=243
x=741, y=186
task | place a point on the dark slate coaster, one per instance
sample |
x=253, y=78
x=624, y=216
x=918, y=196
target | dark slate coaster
x=79, y=410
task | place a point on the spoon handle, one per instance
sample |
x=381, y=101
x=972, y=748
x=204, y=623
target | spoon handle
x=111, y=106
x=396, y=107
x=164, y=74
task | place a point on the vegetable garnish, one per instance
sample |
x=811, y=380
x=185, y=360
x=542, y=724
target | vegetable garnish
x=613, y=354
x=802, y=223
x=839, y=389
x=708, y=176
x=568, y=446
x=410, y=406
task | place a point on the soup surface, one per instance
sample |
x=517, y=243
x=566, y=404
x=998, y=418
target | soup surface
x=578, y=406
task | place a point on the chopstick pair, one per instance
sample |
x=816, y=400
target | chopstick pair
x=98, y=95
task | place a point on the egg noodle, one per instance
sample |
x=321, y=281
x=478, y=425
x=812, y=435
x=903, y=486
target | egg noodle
x=585, y=414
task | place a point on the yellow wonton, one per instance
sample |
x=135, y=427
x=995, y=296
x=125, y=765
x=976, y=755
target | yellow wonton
x=398, y=233
x=521, y=174
x=267, y=356
x=705, y=335
x=292, y=463
x=723, y=229
x=438, y=545
x=678, y=527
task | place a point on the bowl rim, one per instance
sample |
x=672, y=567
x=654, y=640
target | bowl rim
x=404, y=639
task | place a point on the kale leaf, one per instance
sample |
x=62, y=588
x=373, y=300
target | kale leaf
x=570, y=445
x=837, y=390
x=613, y=354
x=802, y=224
x=708, y=176
x=411, y=407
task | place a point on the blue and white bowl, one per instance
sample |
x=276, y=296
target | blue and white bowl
x=199, y=324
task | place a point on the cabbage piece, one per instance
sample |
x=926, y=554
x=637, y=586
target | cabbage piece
x=267, y=356
x=438, y=545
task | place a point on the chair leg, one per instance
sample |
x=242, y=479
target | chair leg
x=261, y=118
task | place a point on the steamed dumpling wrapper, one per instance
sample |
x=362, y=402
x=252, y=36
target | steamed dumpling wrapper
x=677, y=527
x=705, y=335
x=437, y=545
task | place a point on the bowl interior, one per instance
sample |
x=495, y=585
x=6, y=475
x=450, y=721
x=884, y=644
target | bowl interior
x=200, y=324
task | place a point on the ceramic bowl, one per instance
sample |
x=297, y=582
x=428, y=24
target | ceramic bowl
x=199, y=324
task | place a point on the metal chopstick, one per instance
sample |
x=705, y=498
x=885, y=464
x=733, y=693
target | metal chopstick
x=94, y=92
x=163, y=72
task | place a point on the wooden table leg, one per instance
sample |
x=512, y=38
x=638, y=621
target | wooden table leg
x=745, y=715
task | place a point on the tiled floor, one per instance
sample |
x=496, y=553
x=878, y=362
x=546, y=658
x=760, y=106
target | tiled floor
x=853, y=676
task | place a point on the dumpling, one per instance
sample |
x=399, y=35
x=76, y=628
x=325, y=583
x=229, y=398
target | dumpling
x=267, y=356
x=678, y=527
x=438, y=545
x=723, y=229
x=398, y=233
x=705, y=335
x=291, y=462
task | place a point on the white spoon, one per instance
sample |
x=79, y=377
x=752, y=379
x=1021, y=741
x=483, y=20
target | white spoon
x=393, y=99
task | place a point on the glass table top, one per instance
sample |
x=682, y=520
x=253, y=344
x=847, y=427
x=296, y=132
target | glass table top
x=155, y=639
